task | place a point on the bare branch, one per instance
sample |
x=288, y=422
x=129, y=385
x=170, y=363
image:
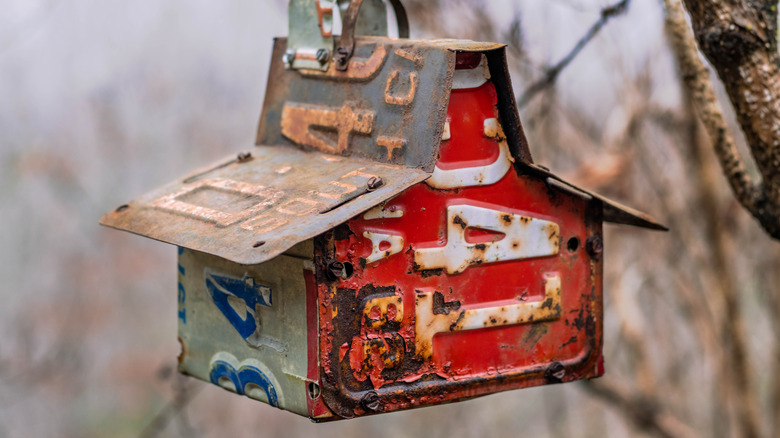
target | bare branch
x=644, y=411
x=184, y=393
x=552, y=72
x=699, y=87
x=739, y=39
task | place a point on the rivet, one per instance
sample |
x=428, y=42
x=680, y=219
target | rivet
x=375, y=182
x=555, y=372
x=323, y=55
x=370, y=401
x=595, y=246
x=335, y=269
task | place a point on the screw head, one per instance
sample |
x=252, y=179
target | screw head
x=335, y=269
x=323, y=55
x=595, y=246
x=370, y=401
x=375, y=182
x=555, y=372
x=288, y=57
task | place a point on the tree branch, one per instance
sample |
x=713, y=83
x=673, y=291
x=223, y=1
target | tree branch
x=552, y=72
x=643, y=411
x=697, y=83
x=184, y=392
x=739, y=40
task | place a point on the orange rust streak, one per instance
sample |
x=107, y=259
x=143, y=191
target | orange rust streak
x=391, y=144
x=298, y=120
x=403, y=99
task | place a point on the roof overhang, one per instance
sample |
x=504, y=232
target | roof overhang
x=325, y=137
x=251, y=210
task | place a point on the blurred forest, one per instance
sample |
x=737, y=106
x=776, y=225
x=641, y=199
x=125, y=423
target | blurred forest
x=104, y=100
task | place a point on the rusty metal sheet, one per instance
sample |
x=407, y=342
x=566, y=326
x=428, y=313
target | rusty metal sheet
x=614, y=212
x=251, y=208
x=244, y=328
x=477, y=281
x=389, y=105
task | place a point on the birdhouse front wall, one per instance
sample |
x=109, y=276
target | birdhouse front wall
x=475, y=281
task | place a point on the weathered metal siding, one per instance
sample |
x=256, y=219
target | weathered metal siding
x=387, y=106
x=252, y=208
x=244, y=327
x=462, y=285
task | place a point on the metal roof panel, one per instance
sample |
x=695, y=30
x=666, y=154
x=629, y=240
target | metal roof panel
x=251, y=209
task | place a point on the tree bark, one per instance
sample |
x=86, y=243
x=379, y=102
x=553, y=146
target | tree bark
x=739, y=38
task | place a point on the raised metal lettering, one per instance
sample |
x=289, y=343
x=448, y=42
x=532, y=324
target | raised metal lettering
x=429, y=321
x=299, y=120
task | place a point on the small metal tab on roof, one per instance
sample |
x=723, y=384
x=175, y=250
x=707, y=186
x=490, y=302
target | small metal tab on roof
x=251, y=208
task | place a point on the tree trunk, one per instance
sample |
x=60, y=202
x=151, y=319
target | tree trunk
x=739, y=38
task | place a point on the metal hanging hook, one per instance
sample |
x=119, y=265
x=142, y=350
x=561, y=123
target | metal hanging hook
x=311, y=44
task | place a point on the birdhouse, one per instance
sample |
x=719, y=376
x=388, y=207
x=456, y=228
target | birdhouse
x=388, y=243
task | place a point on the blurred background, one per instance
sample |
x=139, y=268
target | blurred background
x=103, y=100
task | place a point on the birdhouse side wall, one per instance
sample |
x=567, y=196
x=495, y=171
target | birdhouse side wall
x=245, y=328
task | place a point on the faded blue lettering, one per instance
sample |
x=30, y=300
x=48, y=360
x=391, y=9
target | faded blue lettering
x=221, y=288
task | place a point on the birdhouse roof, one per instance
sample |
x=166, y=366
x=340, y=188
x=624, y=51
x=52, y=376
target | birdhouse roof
x=330, y=146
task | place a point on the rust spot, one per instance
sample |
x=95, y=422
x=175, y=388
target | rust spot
x=547, y=304
x=440, y=307
x=571, y=340
x=515, y=244
x=523, y=296
x=183, y=351
x=534, y=334
x=507, y=218
x=458, y=221
x=454, y=325
x=579, y=321
x=430, y=272
x=480, y=247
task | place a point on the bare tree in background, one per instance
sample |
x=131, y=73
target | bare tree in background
x=739, y=39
